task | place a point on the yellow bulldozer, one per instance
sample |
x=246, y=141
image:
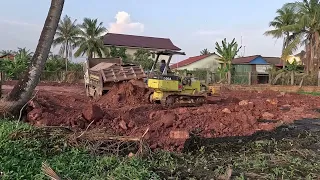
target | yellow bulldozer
x=171, y=89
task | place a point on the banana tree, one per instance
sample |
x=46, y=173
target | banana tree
x=227, y=52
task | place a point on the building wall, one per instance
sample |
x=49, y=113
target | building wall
x=211, y=63
x=240, y=68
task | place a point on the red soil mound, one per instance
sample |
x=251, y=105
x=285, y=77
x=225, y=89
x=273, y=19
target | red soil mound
x=125, y=111
x=126, y=94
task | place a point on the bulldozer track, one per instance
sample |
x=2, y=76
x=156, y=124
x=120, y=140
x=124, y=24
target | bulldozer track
x=178, y=100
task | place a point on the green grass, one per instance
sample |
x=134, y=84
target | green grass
x=281, y=154
x=21, y=158
x=310, y=93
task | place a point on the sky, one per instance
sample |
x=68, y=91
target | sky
x=191, y=25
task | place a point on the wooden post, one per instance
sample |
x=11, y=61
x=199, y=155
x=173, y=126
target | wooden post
x=1, y=81
x=292, y=78
x=270, y=79
x=318, y=78
x=229, y=77
x=249, y=78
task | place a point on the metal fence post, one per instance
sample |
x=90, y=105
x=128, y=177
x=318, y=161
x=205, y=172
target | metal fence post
x=249, y=78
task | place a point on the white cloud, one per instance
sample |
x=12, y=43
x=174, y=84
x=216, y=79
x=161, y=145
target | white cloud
x=124, y=24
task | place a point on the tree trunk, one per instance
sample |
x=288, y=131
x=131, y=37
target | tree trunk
x=22, y=91
x=284, y=45
x=67, y=55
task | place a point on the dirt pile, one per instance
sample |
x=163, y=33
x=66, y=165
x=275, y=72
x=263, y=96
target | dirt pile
x=125, y=111
x=126, y=94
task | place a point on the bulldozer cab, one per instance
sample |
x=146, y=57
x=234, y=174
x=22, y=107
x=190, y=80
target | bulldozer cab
x=166, y=71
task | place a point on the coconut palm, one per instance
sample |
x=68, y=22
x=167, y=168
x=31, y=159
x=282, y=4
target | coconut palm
x=23, y=90
x=91, y=39
x=204, y=52
x=285, y=16
x=66, y=36
x=309, y=27
x=304, y=31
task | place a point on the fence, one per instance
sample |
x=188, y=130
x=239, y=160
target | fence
x=276, y=78
x=62, y=76
x=56, y=76
x=203, y=75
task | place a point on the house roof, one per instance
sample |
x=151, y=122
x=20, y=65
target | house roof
x=244, y=60
x=190, y=60
x=113, y=39
x=274, y=60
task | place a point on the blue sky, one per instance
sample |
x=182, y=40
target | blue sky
x=191, y=25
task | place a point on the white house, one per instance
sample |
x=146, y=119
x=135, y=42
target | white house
x=132, y=43
x=209, y=61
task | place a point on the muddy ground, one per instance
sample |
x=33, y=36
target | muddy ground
x=125, y=111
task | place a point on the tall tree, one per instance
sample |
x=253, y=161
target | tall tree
x=305, y=31
x=285, y=16
x=66, y=36
x=309, y=27
x=204, y=52
x=22, y=91
x=91, y=39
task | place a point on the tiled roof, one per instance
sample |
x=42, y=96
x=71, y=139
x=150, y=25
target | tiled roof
x=274, y=60
x=113, y=39
x=188, y=61
x=244, y=60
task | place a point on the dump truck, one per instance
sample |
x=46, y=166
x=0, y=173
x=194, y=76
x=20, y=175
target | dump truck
x=101, y=74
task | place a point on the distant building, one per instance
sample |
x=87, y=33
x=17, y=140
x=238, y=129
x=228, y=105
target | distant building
x=7, y=56
x=132, y=43
x=257, y=65
x=209, y=61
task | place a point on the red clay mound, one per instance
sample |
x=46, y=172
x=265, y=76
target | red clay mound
x=125, y=111
x=126, y=94
x=55, y=109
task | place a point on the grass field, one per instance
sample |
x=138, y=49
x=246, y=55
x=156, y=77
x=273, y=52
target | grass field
x=287, y=153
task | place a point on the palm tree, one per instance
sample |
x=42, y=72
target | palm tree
x=23, y=53
x=23, y=90
x=66, y=36
x=91, y=39
x=285, y=16
x=204, y=52
x=305, y=31
x=309, y=27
